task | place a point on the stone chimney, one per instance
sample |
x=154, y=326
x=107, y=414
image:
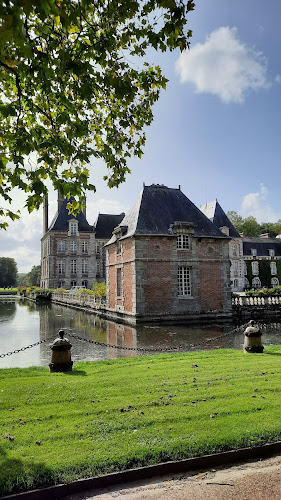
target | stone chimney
x=264, y=235
x=45, y=215
x=60, y=201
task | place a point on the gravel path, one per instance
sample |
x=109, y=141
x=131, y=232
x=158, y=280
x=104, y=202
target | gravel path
x=259, y=480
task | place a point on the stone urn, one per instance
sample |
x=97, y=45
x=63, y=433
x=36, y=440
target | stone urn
x=252, y=338
x=61, y=355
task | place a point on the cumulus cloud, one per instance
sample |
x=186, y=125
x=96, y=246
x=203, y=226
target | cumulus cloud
x=255, y=204
x=223, y=66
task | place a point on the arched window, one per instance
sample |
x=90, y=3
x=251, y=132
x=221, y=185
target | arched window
x=274, y=282
x=256, y=283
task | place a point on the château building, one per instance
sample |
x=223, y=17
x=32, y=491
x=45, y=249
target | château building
x=167, y=261
x=67, y=249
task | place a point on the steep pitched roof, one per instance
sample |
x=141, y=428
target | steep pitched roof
x=105, y=224
x=262, y=246
x=61, y=220
x=215, y=213
x=158, y=207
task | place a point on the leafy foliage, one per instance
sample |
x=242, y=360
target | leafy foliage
x=71, y=88
x=8, y=271
x=33, y=277
x=250, y=226
x=99, y=289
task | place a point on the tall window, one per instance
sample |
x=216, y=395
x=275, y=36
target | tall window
x=61, y=246
x=73, y=246
x=234, y=251
x=273, y=268
x=97, y=247
x=183, y=242
x=84, y=247
x=235, y=268
x=84, y=266
x=184, y=281
x=61, y=265
x=73, y=228
x=119, y=282
x=255, y=268
x=73, y=266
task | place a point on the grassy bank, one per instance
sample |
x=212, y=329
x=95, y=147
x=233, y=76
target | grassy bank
x=112, y=415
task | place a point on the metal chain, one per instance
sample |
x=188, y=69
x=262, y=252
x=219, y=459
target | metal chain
x=141, y=349
x=24, y=348
x=154, y=349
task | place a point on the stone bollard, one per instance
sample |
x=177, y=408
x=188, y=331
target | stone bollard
x=61, y=356
x=252, y=338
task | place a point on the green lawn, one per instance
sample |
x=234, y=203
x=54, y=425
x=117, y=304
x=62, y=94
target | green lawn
x=112, y=415
x=14, y=289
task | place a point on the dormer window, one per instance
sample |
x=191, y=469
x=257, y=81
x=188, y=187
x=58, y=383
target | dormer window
x=184, y=231
x=183, y=242
x=73, y=228
x=254, y=252
x=271, y=252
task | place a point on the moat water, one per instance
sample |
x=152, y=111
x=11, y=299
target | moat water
x=23, y=323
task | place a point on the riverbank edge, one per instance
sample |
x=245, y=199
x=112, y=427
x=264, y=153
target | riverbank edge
x=152, y=471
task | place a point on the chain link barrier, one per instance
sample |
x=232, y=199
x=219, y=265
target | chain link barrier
x=24, y=348
x=141, y=349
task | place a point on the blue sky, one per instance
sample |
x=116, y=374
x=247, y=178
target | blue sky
x=216, y=129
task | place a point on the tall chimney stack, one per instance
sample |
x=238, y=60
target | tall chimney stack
x=45, y=214
x=60, y=201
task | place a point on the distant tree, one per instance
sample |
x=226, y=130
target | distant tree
x=33, y=277
x=250, y=226
x=8, y=272
x=273, y=228
x=236, y=220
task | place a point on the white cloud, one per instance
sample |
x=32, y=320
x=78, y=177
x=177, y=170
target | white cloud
x=104, y=206
x=255, y=204
x=277, y=79
x=223, y=66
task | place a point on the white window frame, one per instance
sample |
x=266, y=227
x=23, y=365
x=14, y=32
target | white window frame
x=73, y=246
x=183, y=242
x=184, y=281
x=271, y=252
x=73, y=266
x=254, y=252
x=255, y=268
x=256, y=283
x=119, y=282
x=61, y=267
x=84, y=247
x=85, y=266
x=61, y=246
x=273, y=268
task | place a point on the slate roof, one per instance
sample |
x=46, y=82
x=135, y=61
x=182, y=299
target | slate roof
x=262, y=246
x=105, y=224
x=215, y=213
x=61, y=220
x=157, y=207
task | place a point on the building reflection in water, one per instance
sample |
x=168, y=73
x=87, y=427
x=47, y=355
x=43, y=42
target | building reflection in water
x=23, y=323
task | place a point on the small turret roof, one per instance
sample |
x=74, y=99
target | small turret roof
x=215, y=213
